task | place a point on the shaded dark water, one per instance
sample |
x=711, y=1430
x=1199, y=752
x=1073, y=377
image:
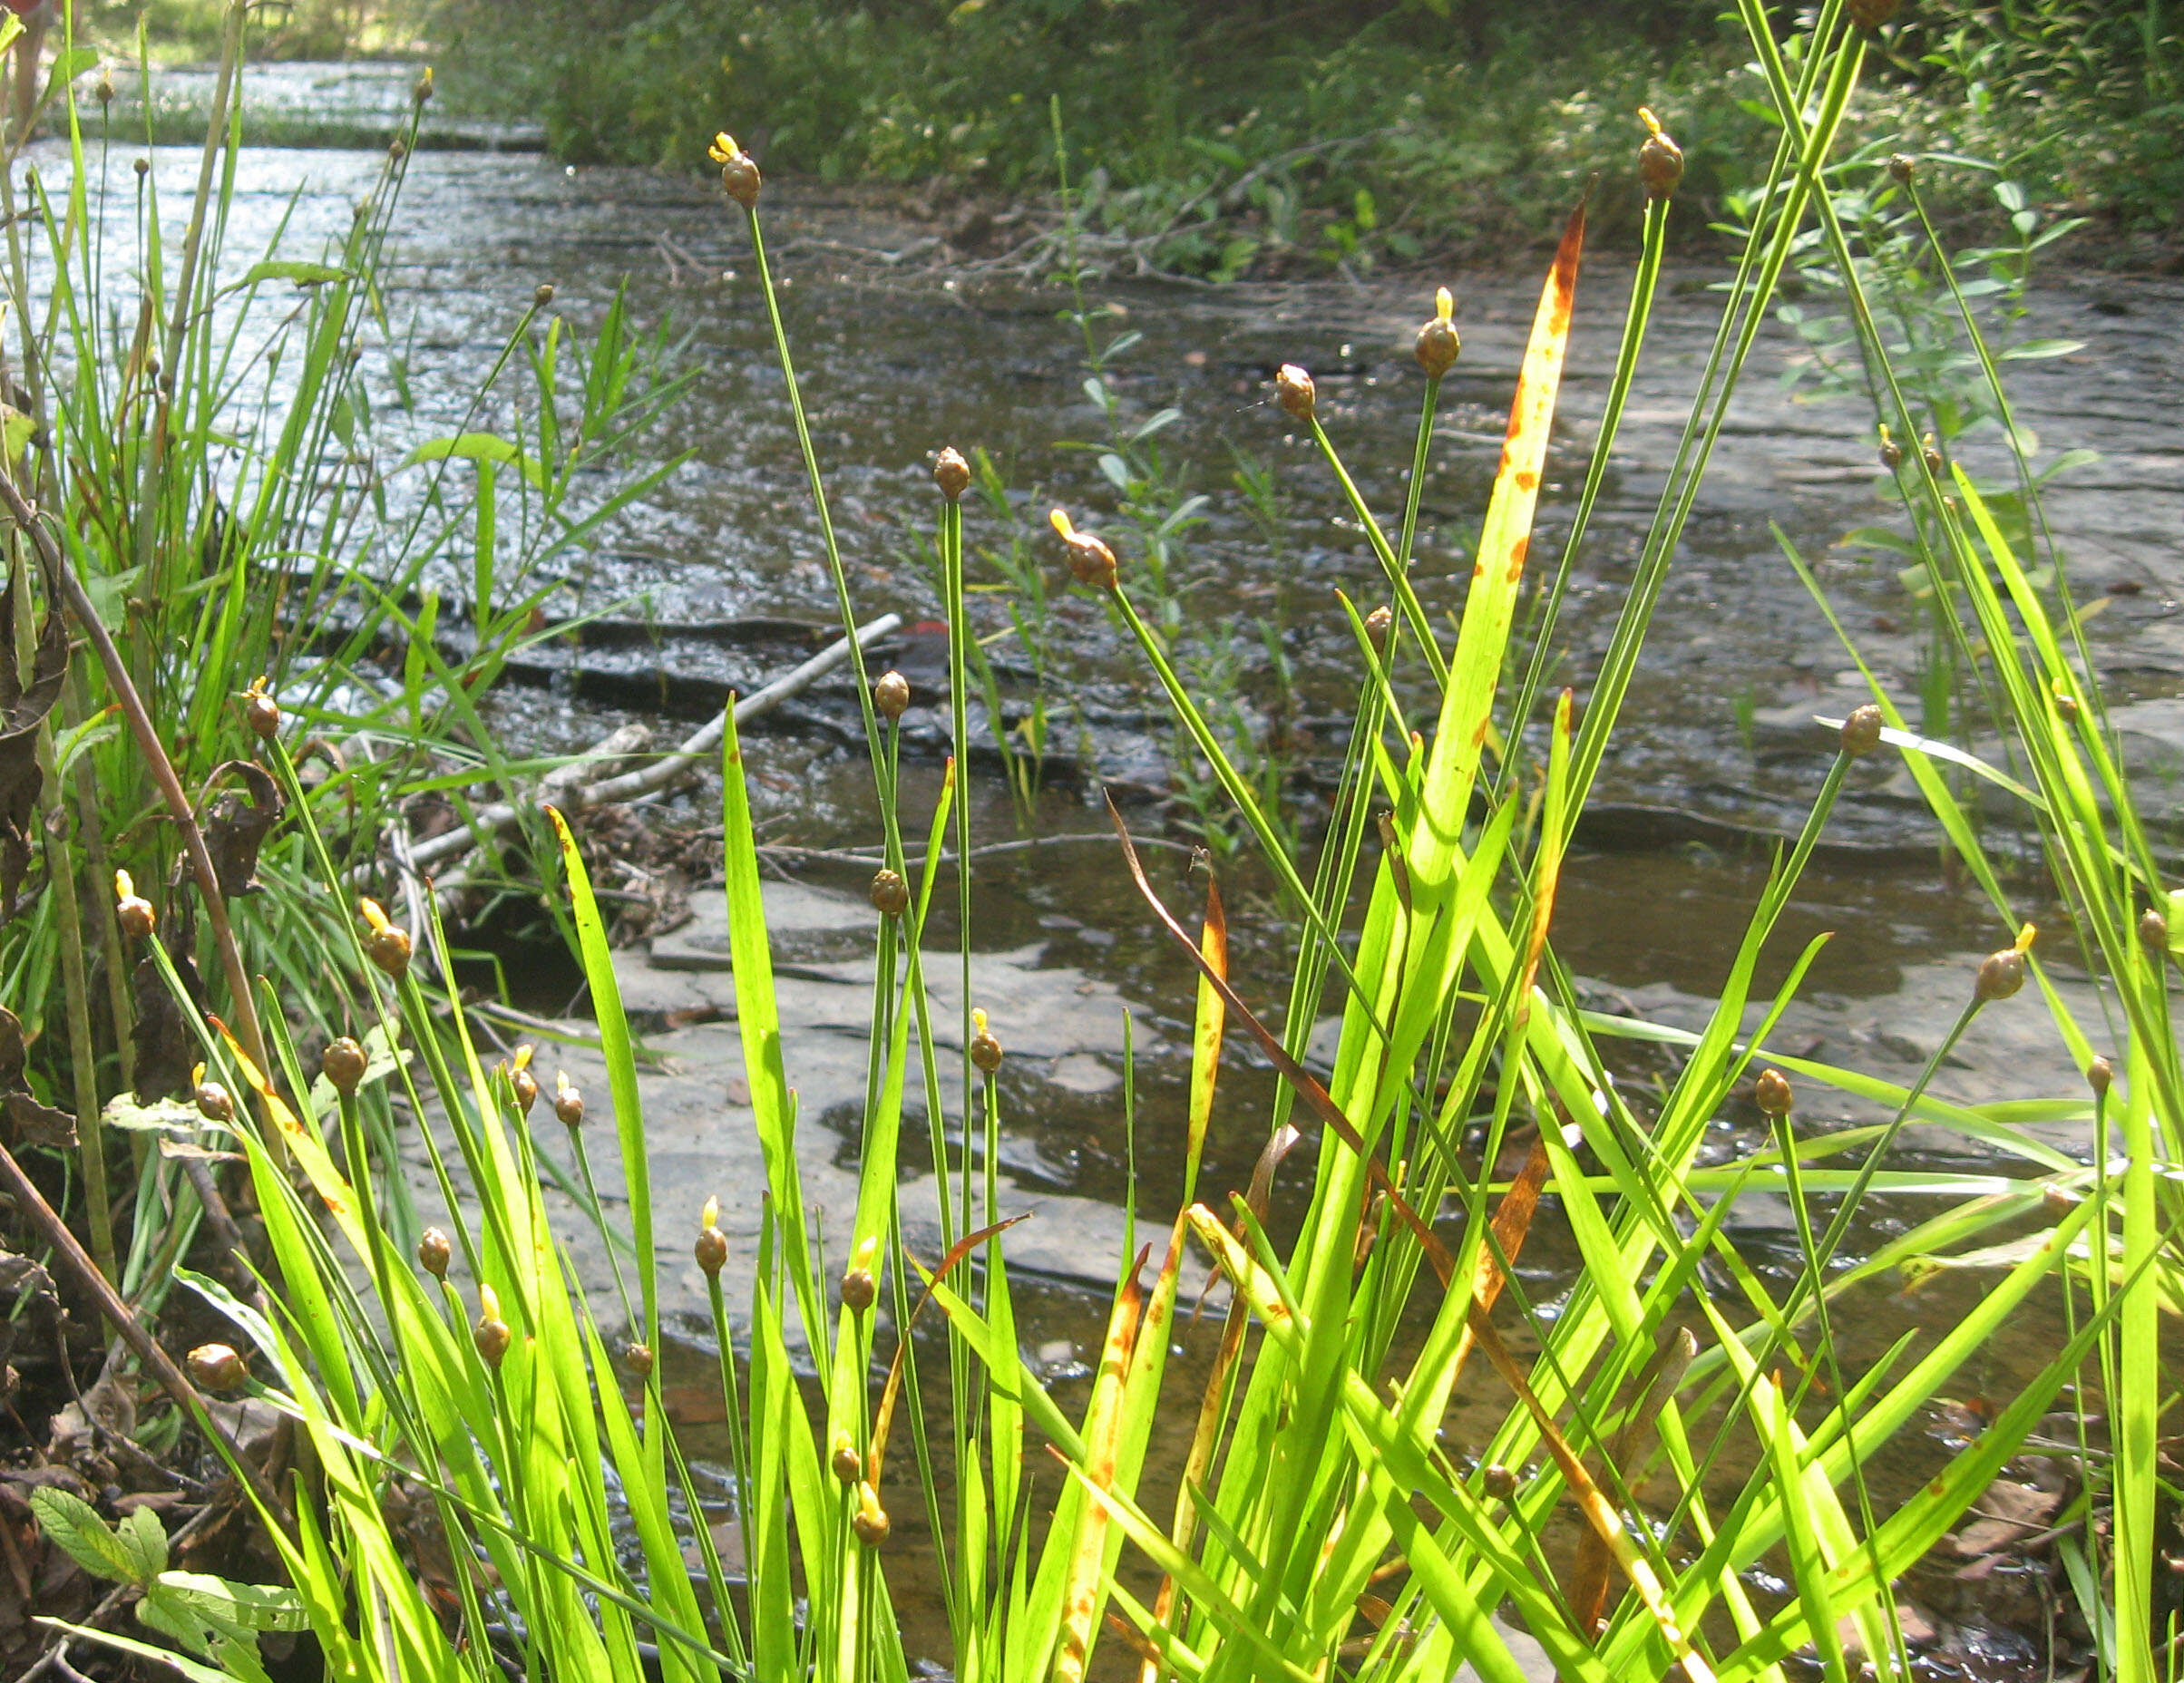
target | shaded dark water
x=897, y=365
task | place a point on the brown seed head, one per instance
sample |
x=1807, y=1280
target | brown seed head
x=524, y=1086
x=261, y=713
x=104, y=91
x=859, y=1287
x=2153, y=931
x=131, y=910
x=143, y=167
x=2066, y=706
x=1862, y=730
x=638, y=1358
x=952, y=473
x=1439, y=343
x=435, y=1252
x=845, y=1461
x=1498, y=1481
x=891, y=694
x=1293, y=386
x=567, y=1103
x=1902, y=167
x=1376, y=624
x=2100, y=1075
x=1871, y=14
x=343, y=1064
x=985, y=1050
x=1892, y=452
x=1772, y=1091
x=1660, y=159
x=1091, y=562
x=870, y=1521
x=1928, y=449
x=739, y=177
x=214, y=1102
x=389, y=947
x=2000, y=975
x=712, y=1246
x=890, y=893
x=397, y=150
x=493, y=1339
x=422, y=90
x=217, y=1368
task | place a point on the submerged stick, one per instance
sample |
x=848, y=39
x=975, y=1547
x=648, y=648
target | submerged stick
x=700, y=747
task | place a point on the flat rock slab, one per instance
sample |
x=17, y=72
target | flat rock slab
x=1061, y=1029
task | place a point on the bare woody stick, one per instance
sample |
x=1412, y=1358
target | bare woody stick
x=147, y=736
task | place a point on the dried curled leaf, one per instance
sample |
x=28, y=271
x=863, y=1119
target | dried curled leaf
x=22, y=712
x=236, y=829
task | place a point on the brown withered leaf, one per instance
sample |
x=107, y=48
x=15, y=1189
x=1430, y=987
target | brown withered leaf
x=166, y=1050
x=29, y=1123
x=22, y=711
x=236, y=829
x=12, y=1053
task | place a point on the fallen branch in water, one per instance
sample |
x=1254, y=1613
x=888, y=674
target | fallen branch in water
x=700, y=747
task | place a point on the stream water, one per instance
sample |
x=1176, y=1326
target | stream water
x=1717, y=753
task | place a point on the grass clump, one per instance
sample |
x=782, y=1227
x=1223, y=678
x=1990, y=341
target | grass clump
x=1675, y=1466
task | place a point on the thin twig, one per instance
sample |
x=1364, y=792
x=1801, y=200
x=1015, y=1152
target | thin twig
x=244, y=1007
x=173, y=1380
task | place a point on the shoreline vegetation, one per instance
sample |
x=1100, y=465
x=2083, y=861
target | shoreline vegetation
x=1219, y=142
x=1677, y=1350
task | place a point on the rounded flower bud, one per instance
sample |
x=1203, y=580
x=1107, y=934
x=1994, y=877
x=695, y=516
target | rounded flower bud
x=1932, y=453
x=104, y=91
x=1902, y=167
x=2153, y=932
x=890, y=893
x=712, y=1246
x=343, y=1064
x=422, y=90
x=2001, y=974
x=1498, y=1481
x=130, y=908
x=1091, y=562
x=434, y=1251
x=845, y=1461
x=1293, y=386
x=952, y=473
x=384, y=944
x=858, y=1286
x=142, y=166
x=217, y=1368
x=1891, y=453
x=1376, y=624
x=638, y=1358
x=985, y=1050
x=1439, y=343
x=261, y=712
x=1862, y=730
x=491, y=1334
x=739, y=177
x=891, y=694
x=870, y=1521
x=2100, y=1075
x=521, y=1083
x=1871, y=14
x=214, y=1102
x=543, y=296
x=1660, y=159
x=1772, y=1091
x=567, y=1103
x=2066, y=706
